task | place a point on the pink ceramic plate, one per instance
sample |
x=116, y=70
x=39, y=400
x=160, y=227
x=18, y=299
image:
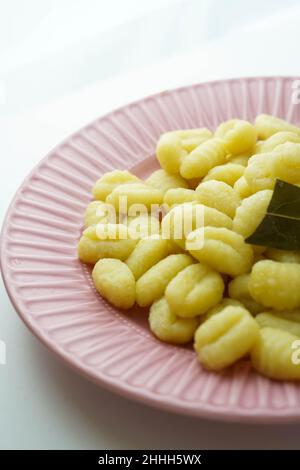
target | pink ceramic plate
x=53, y=293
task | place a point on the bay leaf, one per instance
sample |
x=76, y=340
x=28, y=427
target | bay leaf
x=280, y=228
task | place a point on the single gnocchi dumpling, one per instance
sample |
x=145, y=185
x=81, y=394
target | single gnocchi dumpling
x=238, y=136
x=203, y=158
x=259, y=173
x=218, y=195
x=147, y=253
x=152, y=284
x=229, y=173
x=276, y=354
x=170, y=153
x=276, y=285
x=98, y=212
x=225, y=337
x=286, y=162
x=91, y=248
x=109, y=181
x=251, y=212
x=125, y=196
x=183, y=219
x=194, y=290
x=166, y=326
x=276, y=321
x=222, y=249
x=163, y=181
x=276, y=139
x=267, y=125
x=238, y=289
x=115, y=282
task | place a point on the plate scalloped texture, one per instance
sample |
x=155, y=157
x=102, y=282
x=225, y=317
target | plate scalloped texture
x=53, y=293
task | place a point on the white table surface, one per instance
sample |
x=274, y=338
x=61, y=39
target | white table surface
x=43, y=404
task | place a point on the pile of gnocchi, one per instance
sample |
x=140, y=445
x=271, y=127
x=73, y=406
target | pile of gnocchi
x=232, y=299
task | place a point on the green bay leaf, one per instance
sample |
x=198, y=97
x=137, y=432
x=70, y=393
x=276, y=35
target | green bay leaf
x=280, y=228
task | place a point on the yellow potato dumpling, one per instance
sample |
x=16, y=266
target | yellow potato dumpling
x=259, y=173
x=146, y=254
x=283, y=256
x=229, y=173
x=267, y=125
x=286, y=162
x=91, y=248
x=222, y=249
x=242, y=188
x=238, y=289
x=152, y=284
x=162, y=180
x=109, y=181
x=276, y=139
x=194, y=290
x=225, y=337
x=166, y=326
x=177, y=196
x=183, y=219
x=96, y=212
x=218, y=195
x=274, y=354
x=134, y=194
x=251, y=212
x=203, y=158
x=275, y=321
x=115, y=282
x=238, y=136
x=170, y=153
x=276, y=285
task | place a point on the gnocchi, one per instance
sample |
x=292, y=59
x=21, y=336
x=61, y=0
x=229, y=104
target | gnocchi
x=276, y=285
x=225, y=337
x=115, y=282
x=222, y=249
x=175, y=243
x=194, y=290
x=166, y=326
x=272, y=355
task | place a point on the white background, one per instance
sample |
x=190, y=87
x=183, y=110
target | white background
x=63, y=63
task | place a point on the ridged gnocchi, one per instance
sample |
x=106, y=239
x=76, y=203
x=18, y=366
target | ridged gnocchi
x=203, y=158
x=276, y=285
x=218, y=195
x=194, y=290
x=273, y=354
x=267, y=125
x=222, y=249
x=225, y=337
x=166, y=326
x=238, y=136
x=250, y=213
